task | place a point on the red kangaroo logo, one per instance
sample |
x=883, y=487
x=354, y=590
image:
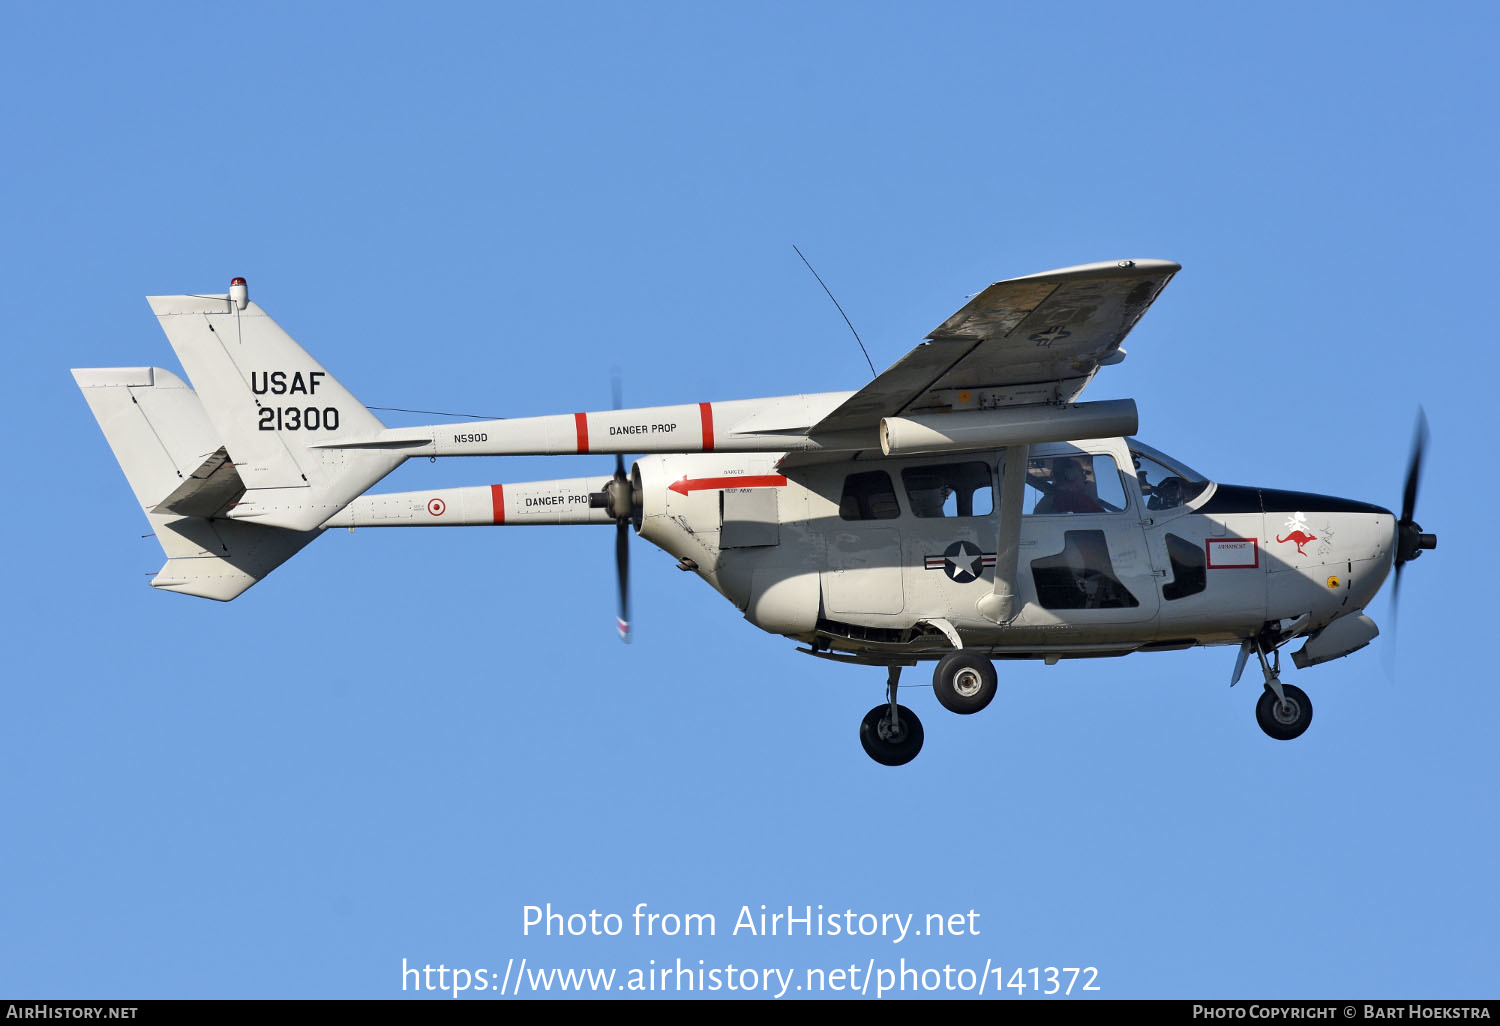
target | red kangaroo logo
x=1301, y=538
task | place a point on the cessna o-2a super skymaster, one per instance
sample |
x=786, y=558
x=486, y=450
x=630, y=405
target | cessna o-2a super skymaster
x=962, y=507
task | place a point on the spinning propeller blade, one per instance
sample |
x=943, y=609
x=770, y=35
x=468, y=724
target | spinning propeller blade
x=622, y=502
x=1410, y=541
x=622, y=557
x=1414, y=468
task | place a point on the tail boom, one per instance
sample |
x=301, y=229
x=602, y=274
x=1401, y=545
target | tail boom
x=564, y=501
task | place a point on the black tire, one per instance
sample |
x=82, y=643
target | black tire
x=890, y=750
x=964, y=681
x=1284, y=724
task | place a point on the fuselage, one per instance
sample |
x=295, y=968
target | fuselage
x=825, y=539
x=856, y=556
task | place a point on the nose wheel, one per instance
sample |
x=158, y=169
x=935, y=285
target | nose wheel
x=1286, y=717
x=891, y=734
x=1284, y=710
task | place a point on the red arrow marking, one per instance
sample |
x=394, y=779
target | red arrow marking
x=715, y=483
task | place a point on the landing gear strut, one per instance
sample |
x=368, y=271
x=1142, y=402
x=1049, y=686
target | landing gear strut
x=1283, y=710
x=891, y=734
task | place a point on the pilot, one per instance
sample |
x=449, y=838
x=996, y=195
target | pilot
x=1070, y=490
x=1166, y=495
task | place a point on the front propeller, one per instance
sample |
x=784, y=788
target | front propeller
x=1410, y=540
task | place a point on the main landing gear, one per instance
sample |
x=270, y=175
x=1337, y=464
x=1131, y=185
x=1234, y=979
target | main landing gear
x=964, y=682
x=891, y=733
x=1283, y=710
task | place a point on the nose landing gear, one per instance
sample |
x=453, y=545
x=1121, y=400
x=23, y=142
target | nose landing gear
x=1283, y=710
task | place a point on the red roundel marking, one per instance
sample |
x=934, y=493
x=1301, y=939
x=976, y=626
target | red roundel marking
x=581, y=423
x=437, y=507
x=706, y=414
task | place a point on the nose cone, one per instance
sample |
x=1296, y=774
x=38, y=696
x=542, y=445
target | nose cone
x=1371, y=574
x=1342, y=549
x=1369, y=548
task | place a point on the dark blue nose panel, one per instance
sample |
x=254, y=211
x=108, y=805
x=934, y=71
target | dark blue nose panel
x=1248, y=499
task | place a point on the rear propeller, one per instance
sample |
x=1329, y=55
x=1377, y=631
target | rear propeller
x=622, y=499
x=1410, y=541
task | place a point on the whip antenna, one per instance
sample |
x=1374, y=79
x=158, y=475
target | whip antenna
x=845, y=316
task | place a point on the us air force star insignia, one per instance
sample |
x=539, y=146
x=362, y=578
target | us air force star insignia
x=1044, y=339
x=962, y=561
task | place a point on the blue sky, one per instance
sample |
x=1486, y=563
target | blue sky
x=399, y=740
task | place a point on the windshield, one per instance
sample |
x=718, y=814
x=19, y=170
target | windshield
x=1165, y=482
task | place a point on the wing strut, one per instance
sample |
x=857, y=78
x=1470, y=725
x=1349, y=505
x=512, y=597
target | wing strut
x=999, y=606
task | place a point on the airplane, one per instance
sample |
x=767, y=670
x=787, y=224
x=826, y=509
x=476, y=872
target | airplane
x=963, y=507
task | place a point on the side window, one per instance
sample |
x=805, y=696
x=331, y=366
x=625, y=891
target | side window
x=869, y=496
x=1081, y=576
x=1080, y=483
x=950, y=490
x=1189, y=575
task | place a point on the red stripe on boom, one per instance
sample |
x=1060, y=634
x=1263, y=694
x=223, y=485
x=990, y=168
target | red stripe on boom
x=497, y=500
x=706, y=412
x=581, y=422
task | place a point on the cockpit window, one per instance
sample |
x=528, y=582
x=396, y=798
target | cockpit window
x=1165, y=484
x=1181, y=469
x=949, y=490
x=1079, y=483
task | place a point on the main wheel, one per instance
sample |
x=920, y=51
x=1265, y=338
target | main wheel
x=887, y=744
x=964, y=681
x=1284, y=721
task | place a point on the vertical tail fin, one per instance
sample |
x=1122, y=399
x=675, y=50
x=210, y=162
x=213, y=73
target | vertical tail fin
x=154, y=424
x=183, y=479
x=270, y=402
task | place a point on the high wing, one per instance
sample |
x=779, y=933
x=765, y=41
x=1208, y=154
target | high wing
x=1037, y=339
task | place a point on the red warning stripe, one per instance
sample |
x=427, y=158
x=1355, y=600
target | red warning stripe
x=706, y=412
x=581, y=422
x=497, y=501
